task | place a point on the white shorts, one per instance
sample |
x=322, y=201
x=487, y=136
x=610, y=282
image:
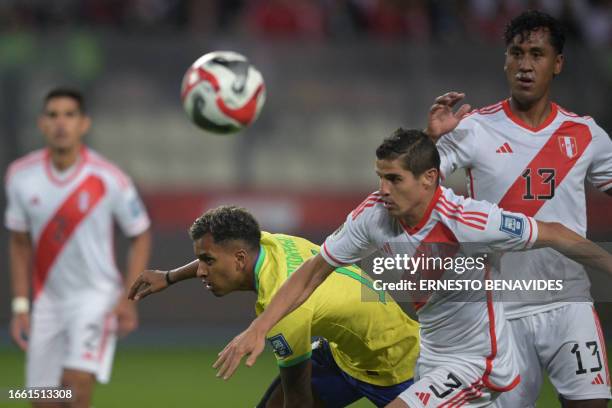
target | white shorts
x=81, y=337
x=568, y=343
x=452, y=384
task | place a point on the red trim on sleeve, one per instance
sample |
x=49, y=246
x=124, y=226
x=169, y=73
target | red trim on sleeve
x=463, y=220
x=331, y=257
x=28, y=160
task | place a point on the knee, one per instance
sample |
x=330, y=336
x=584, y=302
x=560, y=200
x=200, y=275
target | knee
x=81, y=384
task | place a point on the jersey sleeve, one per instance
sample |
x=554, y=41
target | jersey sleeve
x=352, y=241
x=600, y=171
x=484, y=227
x=130, y=212
x=15, y=216
x=290, y=338
x=456, y=148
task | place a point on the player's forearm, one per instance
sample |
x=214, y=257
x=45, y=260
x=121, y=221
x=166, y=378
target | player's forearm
x=294, y=292
x=138, y=256
x=20, y=254
x=573, y=246
x=188, y=271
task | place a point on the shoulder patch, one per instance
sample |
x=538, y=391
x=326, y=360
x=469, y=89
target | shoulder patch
x=280, y=346
x=512, y=225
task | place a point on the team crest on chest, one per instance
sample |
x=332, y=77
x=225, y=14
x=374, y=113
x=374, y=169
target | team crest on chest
x=568, y=146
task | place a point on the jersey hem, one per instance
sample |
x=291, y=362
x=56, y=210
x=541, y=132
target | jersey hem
x=295, y=361
x=544, y=308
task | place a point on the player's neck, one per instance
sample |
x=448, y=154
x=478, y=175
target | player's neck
x=533, y=114
x=413, y=217
x=250, y=276
x=62, y=159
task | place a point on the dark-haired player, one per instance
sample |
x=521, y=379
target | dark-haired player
x=61, y=204
x=529, y=155
x=366, y=346
x=467, y=350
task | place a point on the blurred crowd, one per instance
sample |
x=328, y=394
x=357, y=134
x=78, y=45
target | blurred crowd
x=589, y=21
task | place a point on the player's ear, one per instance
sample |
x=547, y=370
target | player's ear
x=430, y=177
x=85, y=124
x=558, y=64
x=240, y=257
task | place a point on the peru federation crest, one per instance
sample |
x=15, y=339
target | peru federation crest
x=568, y=146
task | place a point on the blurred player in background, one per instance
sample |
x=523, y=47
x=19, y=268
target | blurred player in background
x=366, y=346
x=467, y=353
x=61, y=204
x=529, y=155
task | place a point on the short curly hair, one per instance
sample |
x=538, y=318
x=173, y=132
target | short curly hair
x=227, y=223
x=532, y=20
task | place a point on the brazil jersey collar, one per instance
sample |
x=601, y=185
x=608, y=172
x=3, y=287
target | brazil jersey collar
x=258, y=264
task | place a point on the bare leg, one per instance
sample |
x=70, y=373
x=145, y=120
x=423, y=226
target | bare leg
x=82, y=384
x=593, y=403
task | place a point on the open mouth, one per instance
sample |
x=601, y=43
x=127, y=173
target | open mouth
x=388, y=204
x=525, y=81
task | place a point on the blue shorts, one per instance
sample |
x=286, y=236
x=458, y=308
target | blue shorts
x=338, y=389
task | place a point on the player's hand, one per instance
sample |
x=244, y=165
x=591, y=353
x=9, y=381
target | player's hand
x=127, y=317
x=250, y=342
x=147, y=282
x=441, y=118
x=20, y=329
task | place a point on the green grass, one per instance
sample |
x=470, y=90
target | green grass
x=165, y=377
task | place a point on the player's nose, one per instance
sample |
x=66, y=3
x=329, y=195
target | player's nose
x=383, y=187
x=201, y=273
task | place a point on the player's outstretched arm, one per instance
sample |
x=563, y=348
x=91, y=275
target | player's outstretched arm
x=153, y=281
x=20, y=254
x=572, y=245
x=138, y=256
x=290, y=296
x=441, y=118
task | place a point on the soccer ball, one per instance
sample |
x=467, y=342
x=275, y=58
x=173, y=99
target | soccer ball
x=222, y=92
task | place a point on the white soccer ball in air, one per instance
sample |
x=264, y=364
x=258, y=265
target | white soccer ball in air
x=222, y=92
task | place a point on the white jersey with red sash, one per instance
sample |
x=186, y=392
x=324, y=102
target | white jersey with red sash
x=539, y=172
x=69, y=216
x=473, y=333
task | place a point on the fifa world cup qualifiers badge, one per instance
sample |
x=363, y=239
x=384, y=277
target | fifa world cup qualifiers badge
x=512, y=225
x=280, y=346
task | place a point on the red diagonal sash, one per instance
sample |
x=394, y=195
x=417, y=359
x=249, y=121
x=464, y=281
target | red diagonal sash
x=553, y=155
x=62, y=224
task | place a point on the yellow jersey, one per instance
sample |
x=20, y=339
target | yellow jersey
x=370, y=337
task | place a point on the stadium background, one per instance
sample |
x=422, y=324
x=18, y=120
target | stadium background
x=340, y=75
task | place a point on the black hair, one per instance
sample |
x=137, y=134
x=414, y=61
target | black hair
x=532, y=20
x=64, y=92
x=413, y=147
x=226, y=223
